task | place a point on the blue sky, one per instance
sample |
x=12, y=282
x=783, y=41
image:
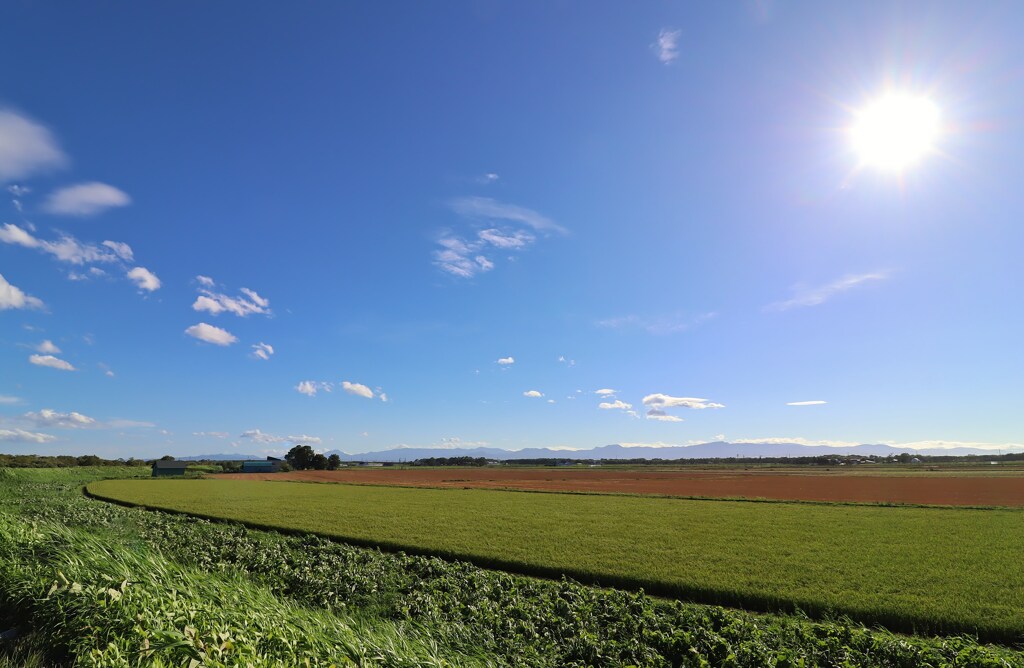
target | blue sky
x=231, y=227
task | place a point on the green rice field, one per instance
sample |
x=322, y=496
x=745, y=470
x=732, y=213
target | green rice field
x=936, y=570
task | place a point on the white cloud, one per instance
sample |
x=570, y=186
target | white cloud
x=7, y=399
x=660, y=325
x=667, y=45
x=666, y=401
x=311, y=387
x=22, y=436
x=263, y=437
x=605, y=392
x=51, y=361
x=86, y=199
x=618, y=404
x=48, y=418
x=216, y=302
x=489, y=209
x=658, y=414
x=383, y=396
x=47, y=347
x=144, y=279
x=487, y=179
x=262, y=350
x=67, y=248
x=806, y=403
x=26, y=147
x=357, y=389
x=533, y=394
x=466, y=258
x=501, y=239
x=211, y=334
x=814, y=296
x=551, y=401
x=505, y=361
x=12, y=297
x=211, y=434
x=121, y=249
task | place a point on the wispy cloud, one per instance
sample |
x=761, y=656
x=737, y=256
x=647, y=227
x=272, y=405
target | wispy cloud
x=248, y=303
x=487, y=179
x=606, y=392
x=813, y=296
x=806, y=403
x=211, y=334
x=85, y=199
x=490, y=209
x=262, y=350
x=52, y=362
x=50, y=419
x=263, y=437
x=7, y=399
x=26, y=147
x=533, y=394
x=509, y=228
x=48, y=347
x=667, y=45
x=211, y=434
x=311, y=387
x=618, y=404
x=665, y=401
x=22, y=436
x=67, y=248
x=662, y=416
x=659, y=325
x=11, y=297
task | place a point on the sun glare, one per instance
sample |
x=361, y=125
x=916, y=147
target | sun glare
x=896, y=131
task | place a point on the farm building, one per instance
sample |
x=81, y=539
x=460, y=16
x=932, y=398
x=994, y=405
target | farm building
x=165, y=467
x=271, y=465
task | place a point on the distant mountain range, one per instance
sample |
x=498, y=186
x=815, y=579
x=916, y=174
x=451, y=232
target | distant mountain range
x=717, y=449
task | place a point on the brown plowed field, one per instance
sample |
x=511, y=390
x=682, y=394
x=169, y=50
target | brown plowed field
x=805, y=486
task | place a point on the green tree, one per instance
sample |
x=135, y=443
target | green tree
x=319, y=462
x=300, y=457
x=334, y=462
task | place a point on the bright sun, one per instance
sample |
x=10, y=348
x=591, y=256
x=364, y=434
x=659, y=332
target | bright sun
x=896, y=131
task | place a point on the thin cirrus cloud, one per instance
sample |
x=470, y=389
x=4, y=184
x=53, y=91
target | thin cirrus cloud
x=667, y=45
x=814, y=296
x=816, y=402
x=659, y=325
x=506, y=228
x=215, y=303
x=211, y=334
x=12, y=297
x=51, y=362
x=86, y=199
x=27, y=148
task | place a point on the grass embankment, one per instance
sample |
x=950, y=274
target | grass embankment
x=913, y=569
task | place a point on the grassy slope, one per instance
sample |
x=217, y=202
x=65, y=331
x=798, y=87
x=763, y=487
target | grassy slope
x=931, y=569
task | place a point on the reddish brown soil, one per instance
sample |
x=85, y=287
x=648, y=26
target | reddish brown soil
x=941, y=490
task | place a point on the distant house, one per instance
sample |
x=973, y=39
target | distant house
x=166, y=467
x=271, y=465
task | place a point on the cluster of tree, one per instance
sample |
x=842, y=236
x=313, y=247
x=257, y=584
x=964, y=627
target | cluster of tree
x=302, y=458
x=450, y=461
x=63, y=461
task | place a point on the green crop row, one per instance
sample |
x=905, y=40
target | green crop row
x=936, y=570
x=246, y=581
